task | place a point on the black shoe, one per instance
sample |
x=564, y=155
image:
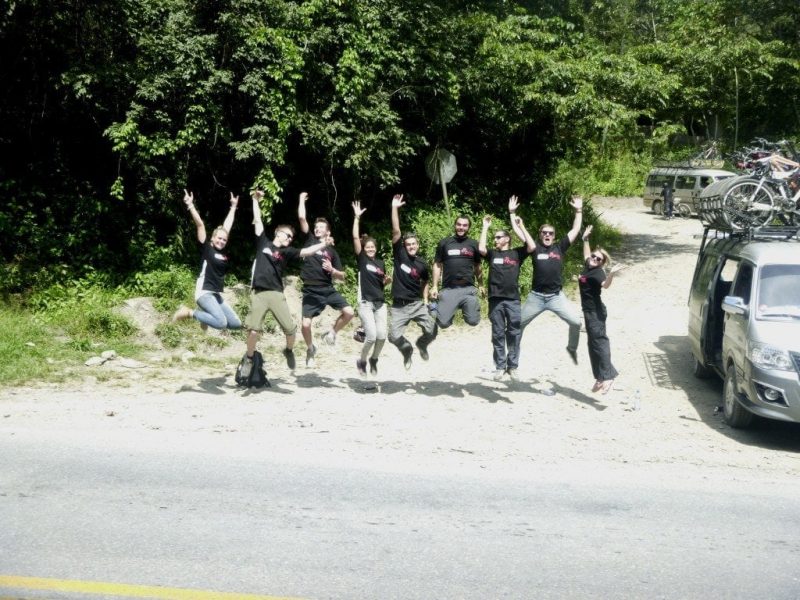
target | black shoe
x=573, y=355
x=288, y=353
x=423, y=350
x=373, y=366
x=361, y=365
x=408, y=351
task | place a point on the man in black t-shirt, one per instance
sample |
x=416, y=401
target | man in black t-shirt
x=504, y=303
x=266, y=284
x=457, y=265
x=548, y=271
x=319, y=271
x=409, y=291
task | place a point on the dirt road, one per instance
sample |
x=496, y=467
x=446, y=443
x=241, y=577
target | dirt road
x=447, y=414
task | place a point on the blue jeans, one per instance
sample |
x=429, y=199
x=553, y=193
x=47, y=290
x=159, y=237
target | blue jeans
x=215, y=313
x=537, y=303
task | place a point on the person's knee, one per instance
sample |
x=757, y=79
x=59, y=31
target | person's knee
x=347, y=313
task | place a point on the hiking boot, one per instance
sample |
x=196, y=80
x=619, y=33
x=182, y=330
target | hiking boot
x=373, y=366
x=310, y=354
x=499, y=375
x=182, y=313
x=423, y=350
x=329, y=338
x=288, y=354
x=361, y=365
x=512, y=375
x=573, y=355
x=407, y=352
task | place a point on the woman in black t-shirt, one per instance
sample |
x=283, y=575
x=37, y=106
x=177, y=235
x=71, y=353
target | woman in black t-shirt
x=591, y=282
x=212, y=310
x=371, y=302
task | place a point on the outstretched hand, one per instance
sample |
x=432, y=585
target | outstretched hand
x=397, y=201
x=257, y=194
x=587, y=232
x=576, y=202
x=487, y=221
x=188, y=198
x=513, y=204
x=303, y=197
x=235, y=200
x=617, y=268
x=357, y=210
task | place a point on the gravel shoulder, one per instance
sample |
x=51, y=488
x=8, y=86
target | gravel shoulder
x=447, y=415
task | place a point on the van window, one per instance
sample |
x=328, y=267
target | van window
x=778, y=292
x=744, y=283
x=705, y=181
x=685, y=182
x=704, y=274
x=657, y=181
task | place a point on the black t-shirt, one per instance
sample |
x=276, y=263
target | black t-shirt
x=458, y=257
x=590, y=283
x=410, y=273
x=548, y=266
x=371, y=272
x=312, y=274
x=504, y=266
x=270, y=263
x=213, y=266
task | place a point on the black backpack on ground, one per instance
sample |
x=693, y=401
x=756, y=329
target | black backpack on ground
x=257, y=376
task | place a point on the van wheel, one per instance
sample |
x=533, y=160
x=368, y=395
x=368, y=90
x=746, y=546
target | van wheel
x=736, y=415
x=699, y=370
x=684, y=210
x=658, y=207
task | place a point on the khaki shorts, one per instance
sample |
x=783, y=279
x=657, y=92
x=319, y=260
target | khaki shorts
x=263, y=301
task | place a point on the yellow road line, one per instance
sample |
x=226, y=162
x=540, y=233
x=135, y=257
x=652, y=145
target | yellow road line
x=125, y=590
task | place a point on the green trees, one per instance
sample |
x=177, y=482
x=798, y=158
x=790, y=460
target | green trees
x=109, y=110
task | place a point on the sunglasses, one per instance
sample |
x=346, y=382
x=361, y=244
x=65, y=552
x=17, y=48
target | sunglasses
x=500, y=237
x=599, y=257
x=548, y=233
x=287, y=234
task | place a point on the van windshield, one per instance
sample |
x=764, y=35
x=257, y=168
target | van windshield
x=779, y=292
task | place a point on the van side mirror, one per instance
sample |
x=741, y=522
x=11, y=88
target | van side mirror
x=734, y=305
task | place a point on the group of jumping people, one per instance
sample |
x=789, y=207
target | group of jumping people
x=429, y=297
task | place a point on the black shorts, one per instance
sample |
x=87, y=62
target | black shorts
x=316, y=299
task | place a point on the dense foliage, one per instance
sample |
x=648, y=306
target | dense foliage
x=110, y=108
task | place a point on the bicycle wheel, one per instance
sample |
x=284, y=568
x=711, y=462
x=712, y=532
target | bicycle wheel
x=683, y=210
x=748, y=205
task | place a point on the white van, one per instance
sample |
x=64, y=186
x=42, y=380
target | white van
x=687, y=182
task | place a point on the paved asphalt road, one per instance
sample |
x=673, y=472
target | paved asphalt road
x=203, y=521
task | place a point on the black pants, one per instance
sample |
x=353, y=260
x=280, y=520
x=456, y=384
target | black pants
x=599, y=346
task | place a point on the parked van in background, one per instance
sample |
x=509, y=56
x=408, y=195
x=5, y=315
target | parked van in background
x=744, y=321
x=687, y=182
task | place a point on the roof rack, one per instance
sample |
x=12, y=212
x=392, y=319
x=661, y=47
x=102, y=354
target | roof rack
x=690, y=163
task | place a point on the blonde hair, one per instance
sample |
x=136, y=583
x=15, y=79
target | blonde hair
x=606, y=256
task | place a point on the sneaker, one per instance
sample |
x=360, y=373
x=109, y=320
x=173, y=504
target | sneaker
x=288, y=354
x=573, y=355
x=361, y=365
x=607, y=385
x=182, y=313
x=512, y=375
x=499, y=375
x=597, y=385
x=407, y=353
x=423, y=350
x=329, y=338
x=373, y=366
x=310, y=354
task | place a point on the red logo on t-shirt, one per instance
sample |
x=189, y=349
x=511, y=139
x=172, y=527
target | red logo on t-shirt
x=555, y=255
x=507, y=260
x=467, y=252
x=583, y=278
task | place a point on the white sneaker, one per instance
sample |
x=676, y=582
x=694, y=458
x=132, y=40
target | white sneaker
x=512, y=375
x=499, y=375
x=329, y=338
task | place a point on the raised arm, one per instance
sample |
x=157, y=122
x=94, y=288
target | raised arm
x=309, y=250
x=301, y=212
x=487, y=221
x=397, y=202
x=577, y=204
x=610, y=277
x=587, y=247
x=228, y=223
x=519, y=228
x=188, y=200
x=357, y=212
x=257, y=195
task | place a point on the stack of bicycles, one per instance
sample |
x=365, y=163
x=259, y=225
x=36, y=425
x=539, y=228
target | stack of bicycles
x=767, y=194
